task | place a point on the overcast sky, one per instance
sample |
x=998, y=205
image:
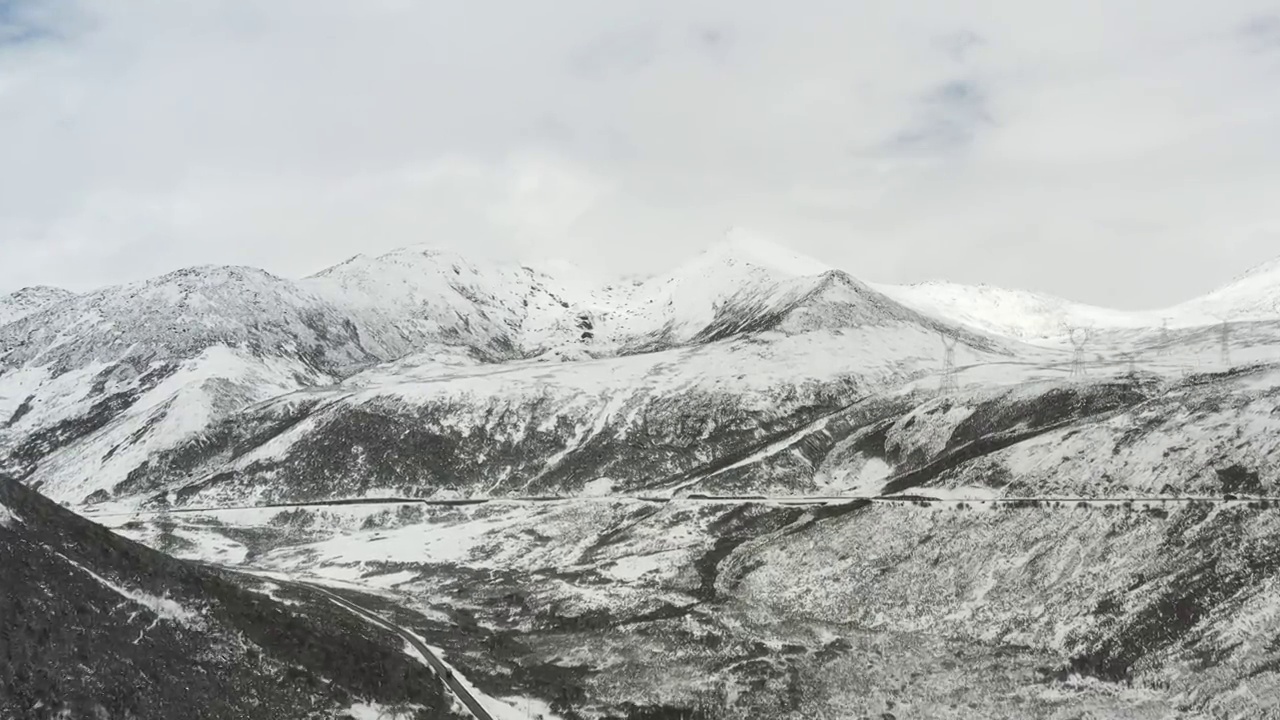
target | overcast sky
x=1124, y=153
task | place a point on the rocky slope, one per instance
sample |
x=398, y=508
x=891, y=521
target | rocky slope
x=167, y=638
x=30, y=300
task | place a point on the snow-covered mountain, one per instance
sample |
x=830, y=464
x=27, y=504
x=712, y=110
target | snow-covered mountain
x=24, y=302
x=413, y=297
x=235, y=382
x=1012, y=313
x=96, y=389
x=968, y=524
x=1254, y=296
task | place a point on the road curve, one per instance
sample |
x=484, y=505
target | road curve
x=442, y=671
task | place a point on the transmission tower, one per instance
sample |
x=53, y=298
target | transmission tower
x=1226, y=343
x=1166, y=340
x=1224, y=336
x=1079, y=338
x=1131, y=358
x=949, y=385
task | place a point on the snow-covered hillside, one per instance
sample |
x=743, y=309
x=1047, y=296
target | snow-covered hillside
x=1254, y=296
x=1012, y=313
x=29, y=300
x=420, y=292
x=519, y=428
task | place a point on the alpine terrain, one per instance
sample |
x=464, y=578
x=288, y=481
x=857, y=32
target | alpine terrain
x=756, y=486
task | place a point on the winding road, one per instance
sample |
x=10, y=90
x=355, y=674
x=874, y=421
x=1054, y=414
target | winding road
x=442, y=671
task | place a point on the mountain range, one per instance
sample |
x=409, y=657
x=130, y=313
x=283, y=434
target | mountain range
x=756, y=466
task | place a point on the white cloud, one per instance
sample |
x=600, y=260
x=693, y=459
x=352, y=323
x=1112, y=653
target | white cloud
x=1067, y=147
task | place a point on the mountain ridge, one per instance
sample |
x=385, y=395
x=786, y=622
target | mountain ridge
x=129, y=389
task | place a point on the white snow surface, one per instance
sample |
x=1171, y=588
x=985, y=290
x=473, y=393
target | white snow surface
x=7, y=517
x=162, y=607
x=1012, y=313
x=1254, y=296
x=375, y=711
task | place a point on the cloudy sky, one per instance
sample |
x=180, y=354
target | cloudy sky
x=1124, y=153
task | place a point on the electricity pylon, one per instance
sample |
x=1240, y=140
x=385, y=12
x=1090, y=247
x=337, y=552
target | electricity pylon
x=949, y=384
x=1224, y=334
x=1226, y=343
x=1166, y=340
x=1131, y=357
x=1079, y=338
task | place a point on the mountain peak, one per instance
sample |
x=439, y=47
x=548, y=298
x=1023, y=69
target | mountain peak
x=30, y=300
x=740, y=245
x=427, y=249
x=1270, y=267
x=46, y=291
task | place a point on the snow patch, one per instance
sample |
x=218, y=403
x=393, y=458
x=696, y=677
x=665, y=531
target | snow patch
x=872, y=475
x=967, y=492
x=162, y=607
x=376, y=711
x=7, y=517
x=635, y=567
x=598, y=488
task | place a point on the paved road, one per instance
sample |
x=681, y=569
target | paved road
x=436, y=663
x=698, y=497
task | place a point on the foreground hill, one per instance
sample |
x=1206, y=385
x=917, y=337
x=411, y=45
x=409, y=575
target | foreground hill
x=94, y=625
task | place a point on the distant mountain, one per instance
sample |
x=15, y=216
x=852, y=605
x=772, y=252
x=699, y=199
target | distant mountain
x=24, y=302
x=94, y=625
x=1255, y=294
x=1011, y=313
x=1027, y=315
x=745, y=284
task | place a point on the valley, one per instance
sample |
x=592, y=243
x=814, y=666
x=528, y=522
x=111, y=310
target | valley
x=737, y=490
